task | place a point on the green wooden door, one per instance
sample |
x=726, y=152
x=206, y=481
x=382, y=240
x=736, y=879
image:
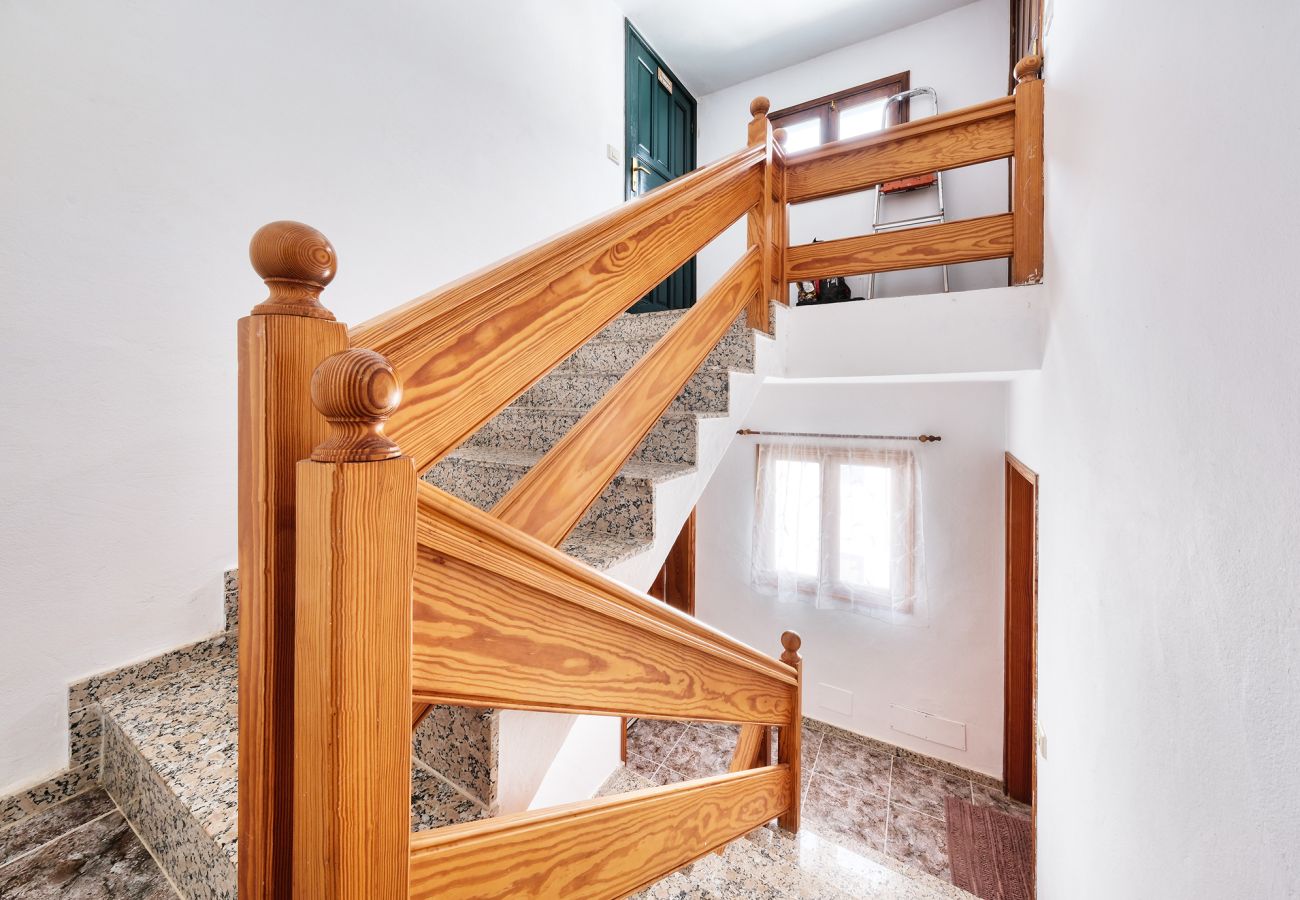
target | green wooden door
x=660, y=144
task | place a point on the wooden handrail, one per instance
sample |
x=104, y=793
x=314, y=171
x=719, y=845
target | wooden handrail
x=596, y=849
x=504, y=620
x=963, y=137
x=966, y=240
x=552, y=496
x=465, y=351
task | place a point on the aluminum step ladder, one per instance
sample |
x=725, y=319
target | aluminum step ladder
x=931, y=181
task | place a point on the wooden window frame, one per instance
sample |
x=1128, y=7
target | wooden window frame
x=827, y=108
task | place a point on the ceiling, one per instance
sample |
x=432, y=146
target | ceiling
x=712, y=44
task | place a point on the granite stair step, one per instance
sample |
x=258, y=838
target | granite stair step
x=735, y=352
x=537, y=429
x=483, y=475
x=652, y=326
x=170, y=750
x=705, y=392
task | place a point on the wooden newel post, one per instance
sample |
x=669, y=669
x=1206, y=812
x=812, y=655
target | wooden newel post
x=356, y=560
x=280, y=345
x=762, y=225
x=790, y=737
x=1027, y=180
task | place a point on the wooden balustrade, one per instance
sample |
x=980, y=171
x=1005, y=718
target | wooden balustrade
x=364, y=591
x=280, y=345
x=504, y=620
x=597, y=849
x=1006, y=128
x=355, y=557
x=467, y=350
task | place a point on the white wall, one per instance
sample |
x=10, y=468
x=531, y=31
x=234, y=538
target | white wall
x=961, y=54
x=1164, y=426
x=950, y=664
x=144, y=142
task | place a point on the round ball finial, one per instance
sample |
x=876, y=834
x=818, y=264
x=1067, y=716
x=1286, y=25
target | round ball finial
x=356, y=391
x=296, y=262
x=779, y=135
x=790, y=643
x=759, y=106
x=1029, y=68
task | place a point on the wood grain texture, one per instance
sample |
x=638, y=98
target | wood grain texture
x=596, y=849
x=759, y=221
x=989, y=237
x=296, y=261
x=278, y=426
x=963, y=137
x=464, y=352
x=789, y=738
x=1027, y=177
x=356, y=391
x=749, y=747
x=352, y=781
x=1021, y=517
x=504, y=620
x=554, y=495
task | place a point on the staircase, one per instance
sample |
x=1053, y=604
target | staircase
x=169, y=725
x=418, y=497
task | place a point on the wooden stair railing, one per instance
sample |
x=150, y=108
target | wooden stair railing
x=365, y=592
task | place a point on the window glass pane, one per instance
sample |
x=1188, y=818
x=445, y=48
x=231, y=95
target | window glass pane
x=802, y=135
x=866, y=517
x=861, y=119
x=797, y=499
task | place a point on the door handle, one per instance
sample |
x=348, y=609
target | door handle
x=636, y=182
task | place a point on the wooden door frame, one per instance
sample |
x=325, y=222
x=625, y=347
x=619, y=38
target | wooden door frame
x=1014, y=469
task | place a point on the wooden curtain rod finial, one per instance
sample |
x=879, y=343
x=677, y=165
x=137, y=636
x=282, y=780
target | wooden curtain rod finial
x=790, y=642
x=759, y=106
x=929, y=438
x=296, y=261
x=356, y=391
x=1029, y=68
x=779, y=135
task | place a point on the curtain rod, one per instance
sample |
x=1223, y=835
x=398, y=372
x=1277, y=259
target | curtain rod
x=923, y=438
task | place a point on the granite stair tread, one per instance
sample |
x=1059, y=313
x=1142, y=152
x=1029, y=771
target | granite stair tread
x=600, y=550
x=184, y=725
x=654, y=472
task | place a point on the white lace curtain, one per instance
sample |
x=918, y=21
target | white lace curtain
x=840, y=527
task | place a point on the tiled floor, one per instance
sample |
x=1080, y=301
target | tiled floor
x=855, y=795
x=82, y=848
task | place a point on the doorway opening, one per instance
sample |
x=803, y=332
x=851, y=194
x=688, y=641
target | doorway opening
x=659, y=145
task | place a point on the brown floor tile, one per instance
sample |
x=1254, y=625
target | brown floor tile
x=641, y=765
x=857, y=765
x=100, y=859
x=653, y=738
x=844, y=815
x=919, y=840
x=987, y=796
x=923, y=788
x=702, y=750
x=44, y=827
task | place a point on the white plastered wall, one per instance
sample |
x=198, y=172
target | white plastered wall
x=1164, y=428
x=143, y=144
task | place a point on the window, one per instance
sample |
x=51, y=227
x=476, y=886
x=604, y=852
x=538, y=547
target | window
x=845, y=114
x=839, y=527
